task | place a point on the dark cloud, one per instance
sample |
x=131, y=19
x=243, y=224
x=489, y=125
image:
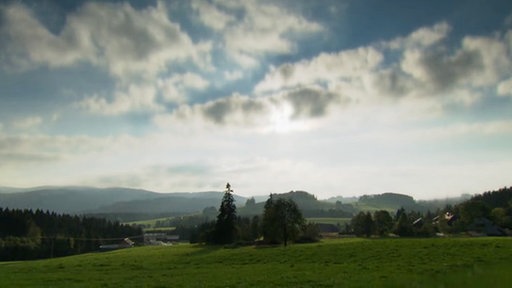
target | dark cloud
x=286, y=70
x=441, y=71
x=392, y=82
x=219, y=110
x=310, y=103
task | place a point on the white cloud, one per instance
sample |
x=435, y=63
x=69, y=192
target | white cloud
x=326, y=68
x=256, y=28
x=505, y=88
x=27, y=42
x=211, y=15
x=421, y=38
x=174, y=88
x=478, y=62
x=425, y=67
x=28, y=123
x=125, y=41
x=134, y=98
x=495, y=60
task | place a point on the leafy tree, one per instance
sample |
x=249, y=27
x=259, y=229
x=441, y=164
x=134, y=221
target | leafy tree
x=500, y=217
x=225, y=227
x=363, y=224
x=383, y=222
x=473, y=209
x=403, y=226
x=282, y=221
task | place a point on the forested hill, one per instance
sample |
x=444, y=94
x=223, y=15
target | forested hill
x=124, y=201
x=493, y=205
x=78, y=200
x=308, y=204
x=501, y=198
x=165, y=204
x=388, y=200
x=70, y=199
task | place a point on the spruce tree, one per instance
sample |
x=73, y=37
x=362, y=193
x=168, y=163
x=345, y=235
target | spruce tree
x=225, y=227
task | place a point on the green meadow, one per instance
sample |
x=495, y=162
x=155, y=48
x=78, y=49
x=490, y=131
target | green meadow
x=447, y=262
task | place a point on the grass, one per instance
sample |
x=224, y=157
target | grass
x=456, y=262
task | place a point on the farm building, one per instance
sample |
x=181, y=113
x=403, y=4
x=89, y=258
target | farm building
x=126, y=243
x=151, y=238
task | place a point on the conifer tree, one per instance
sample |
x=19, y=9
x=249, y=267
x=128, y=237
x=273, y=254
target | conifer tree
x=225, y=227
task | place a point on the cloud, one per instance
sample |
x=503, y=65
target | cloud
x=479, y=62
x=421, y=38
x=125, y=41
x=278, y=112
x=211, y=16
x=310, y=102
x=256, y=28
x=417, y=65
x=134, y=98
x=326, y=68
x=174, y=88
x=235, y=109
x=437, y=71
x=505, y=88
x=28, y=123
x=418, y=68
x=26, y=158
x=27, y=42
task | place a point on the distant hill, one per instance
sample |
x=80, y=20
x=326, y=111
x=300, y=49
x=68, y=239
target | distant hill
x=117, y=201
x=169, y=202
x=388, y=201
x=78, y=200
x=308, y=204
x=344, y=200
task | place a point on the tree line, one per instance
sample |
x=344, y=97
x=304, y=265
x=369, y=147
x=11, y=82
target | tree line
x=27, y=234
x=281, y=223
x=471, y=215
x=489, y=213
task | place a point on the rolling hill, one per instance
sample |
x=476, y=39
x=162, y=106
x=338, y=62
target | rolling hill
x=78, y=200
x=106, y=202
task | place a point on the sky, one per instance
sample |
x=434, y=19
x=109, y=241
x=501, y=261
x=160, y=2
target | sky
x=332, y=97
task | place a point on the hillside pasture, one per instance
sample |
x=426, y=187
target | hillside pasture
x=455, y=262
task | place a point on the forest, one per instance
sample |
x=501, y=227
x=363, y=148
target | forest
x=27, y=234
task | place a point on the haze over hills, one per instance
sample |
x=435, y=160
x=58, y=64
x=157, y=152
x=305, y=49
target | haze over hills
x=77, y=200
x=89, y=200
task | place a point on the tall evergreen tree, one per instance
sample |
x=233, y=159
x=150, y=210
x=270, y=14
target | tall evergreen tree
x=225, y=227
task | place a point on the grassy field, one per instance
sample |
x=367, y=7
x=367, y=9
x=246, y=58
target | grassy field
x=457, y=262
